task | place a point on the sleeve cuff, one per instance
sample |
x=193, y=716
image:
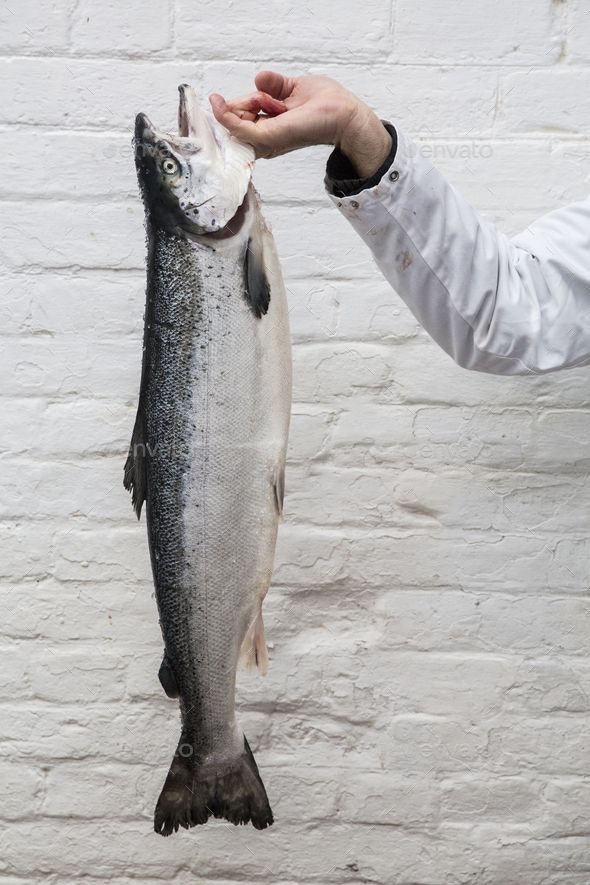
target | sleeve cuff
x=341, y=178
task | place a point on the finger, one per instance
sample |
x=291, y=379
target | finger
x=242, y=114
x=243, y=101
x=224, y=114
x=256, y=102
x=275, y=84
x=245, y=130
x=246, y=110
x=246, y=115
x=271, y=106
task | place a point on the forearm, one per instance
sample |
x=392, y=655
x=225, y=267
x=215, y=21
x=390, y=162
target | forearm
x=494, y=304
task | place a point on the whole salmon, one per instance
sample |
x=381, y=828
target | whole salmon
x=207, y=453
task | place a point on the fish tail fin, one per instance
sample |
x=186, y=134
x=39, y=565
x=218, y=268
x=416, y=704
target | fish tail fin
x=134, y=472
x=254, y=652
x=194, y=792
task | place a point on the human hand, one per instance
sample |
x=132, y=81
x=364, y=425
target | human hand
x=287, y=113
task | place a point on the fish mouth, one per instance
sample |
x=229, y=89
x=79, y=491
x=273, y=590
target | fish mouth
x=143, y=126
x=195, y=129
x=145, y=133
x=214, y=171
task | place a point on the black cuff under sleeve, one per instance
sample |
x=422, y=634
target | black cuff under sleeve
x=341, y=178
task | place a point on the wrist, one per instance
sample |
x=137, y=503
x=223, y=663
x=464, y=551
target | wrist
x=364, y=140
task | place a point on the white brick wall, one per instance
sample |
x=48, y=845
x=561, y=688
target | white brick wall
x=425, y=719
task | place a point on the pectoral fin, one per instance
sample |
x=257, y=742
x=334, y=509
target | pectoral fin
x=255, y=278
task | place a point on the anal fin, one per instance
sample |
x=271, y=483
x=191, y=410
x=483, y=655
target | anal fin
x=254, y=652
x=278, y=484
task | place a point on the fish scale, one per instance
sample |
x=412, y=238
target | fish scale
x=207, y=456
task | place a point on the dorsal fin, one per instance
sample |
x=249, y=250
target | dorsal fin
x=135, y=474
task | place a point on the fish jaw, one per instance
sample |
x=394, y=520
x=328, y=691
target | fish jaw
x=194, y=122
x=211, y=170
x=229, y=162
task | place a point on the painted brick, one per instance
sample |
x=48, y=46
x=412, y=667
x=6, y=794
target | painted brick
x=103, y=235
x=23, y=787
x=70, y=164
x=309, y=32
x=463, y=34
x=532, y=101
x=103, y=94
x=577, y=34
x=34, y=26
x=132, y=28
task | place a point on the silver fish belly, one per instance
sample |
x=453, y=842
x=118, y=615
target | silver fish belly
x=208, y=456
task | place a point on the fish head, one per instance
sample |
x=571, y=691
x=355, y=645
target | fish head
x=197, y=179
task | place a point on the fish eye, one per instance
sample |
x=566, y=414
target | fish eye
x=169, y=166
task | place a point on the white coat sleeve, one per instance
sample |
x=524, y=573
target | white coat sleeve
x=496, y=304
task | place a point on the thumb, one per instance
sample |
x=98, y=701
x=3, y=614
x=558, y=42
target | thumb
x=228, y=118
x=245, y=130
x=275, y=84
